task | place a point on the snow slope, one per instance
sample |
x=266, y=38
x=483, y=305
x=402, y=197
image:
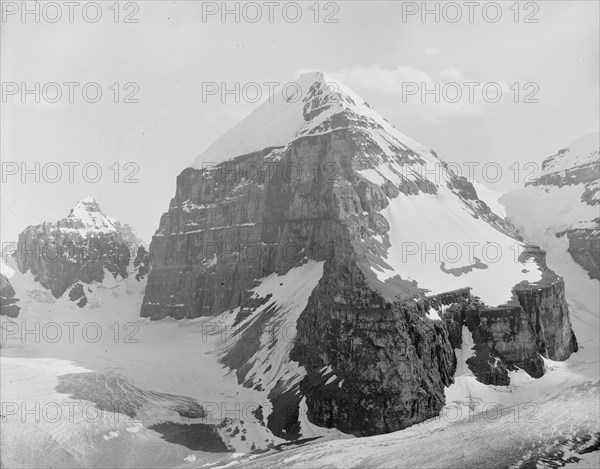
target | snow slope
x=285, y=115
x=579, y=152
x=147, y=355
x=528, y=422
x=88, y=219
x=87, y=212
x=542, y=210
x=433, y=233
x=490, y=197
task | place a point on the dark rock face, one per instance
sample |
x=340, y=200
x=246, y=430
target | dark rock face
x=389, y=363
x=548, y=313
x=396, y=363
x=7, y=299
x=64, y=255
x=503, y=340
x=58, y=259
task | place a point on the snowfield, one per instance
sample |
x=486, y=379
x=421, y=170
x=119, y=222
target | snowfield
x=101, y=387
x=481, y=426
x=450, y=249
x=154, y=361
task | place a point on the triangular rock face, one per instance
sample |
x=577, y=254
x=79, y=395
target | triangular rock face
x=408, y=255
x=80, y=249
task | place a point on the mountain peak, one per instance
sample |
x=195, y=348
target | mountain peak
x=88, y=218
x=311, y=105
x=88, y=212
x=88, y=204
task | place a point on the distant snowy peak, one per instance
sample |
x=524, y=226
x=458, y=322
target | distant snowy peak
x=85, y=247
x=88, y=216
x=314, y=104
x=88, y=219
x=577, y=163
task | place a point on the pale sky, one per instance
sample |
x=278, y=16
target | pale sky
x=170, y=52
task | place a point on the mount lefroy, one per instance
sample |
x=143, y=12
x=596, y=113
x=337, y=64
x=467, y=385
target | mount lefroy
x=393, y=259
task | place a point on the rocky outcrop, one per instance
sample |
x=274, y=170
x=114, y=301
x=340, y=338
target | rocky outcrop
x=547, y=310
x=536, y=324
x=80, y=249
x=8, y=306
x=503, y=340
x=373, y=367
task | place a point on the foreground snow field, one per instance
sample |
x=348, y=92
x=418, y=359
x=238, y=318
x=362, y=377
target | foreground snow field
x=482, y=426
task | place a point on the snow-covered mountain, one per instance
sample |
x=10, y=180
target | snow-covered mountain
x=88, y=219
x=323, y=222
x=84, y=248
x=563, y=201
x=317, y=305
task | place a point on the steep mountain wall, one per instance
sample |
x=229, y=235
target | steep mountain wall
x=373, y=367
x=394, y=361
x=548, y=313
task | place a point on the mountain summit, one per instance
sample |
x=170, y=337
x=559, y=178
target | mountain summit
x=87, y=214
x=301, y=108
x=345, y=263
x=88, y=219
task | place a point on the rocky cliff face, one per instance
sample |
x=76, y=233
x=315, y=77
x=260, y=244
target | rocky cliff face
x=7, y=299
x=372, y=367
x=80, y=249
x=534, y=324
x=334, y=183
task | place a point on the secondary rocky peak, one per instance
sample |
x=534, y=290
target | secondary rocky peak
x=85, y=247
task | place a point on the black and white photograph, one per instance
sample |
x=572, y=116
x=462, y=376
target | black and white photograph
x=300, y=234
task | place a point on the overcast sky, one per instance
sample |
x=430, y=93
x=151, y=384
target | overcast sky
x=170, y=52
